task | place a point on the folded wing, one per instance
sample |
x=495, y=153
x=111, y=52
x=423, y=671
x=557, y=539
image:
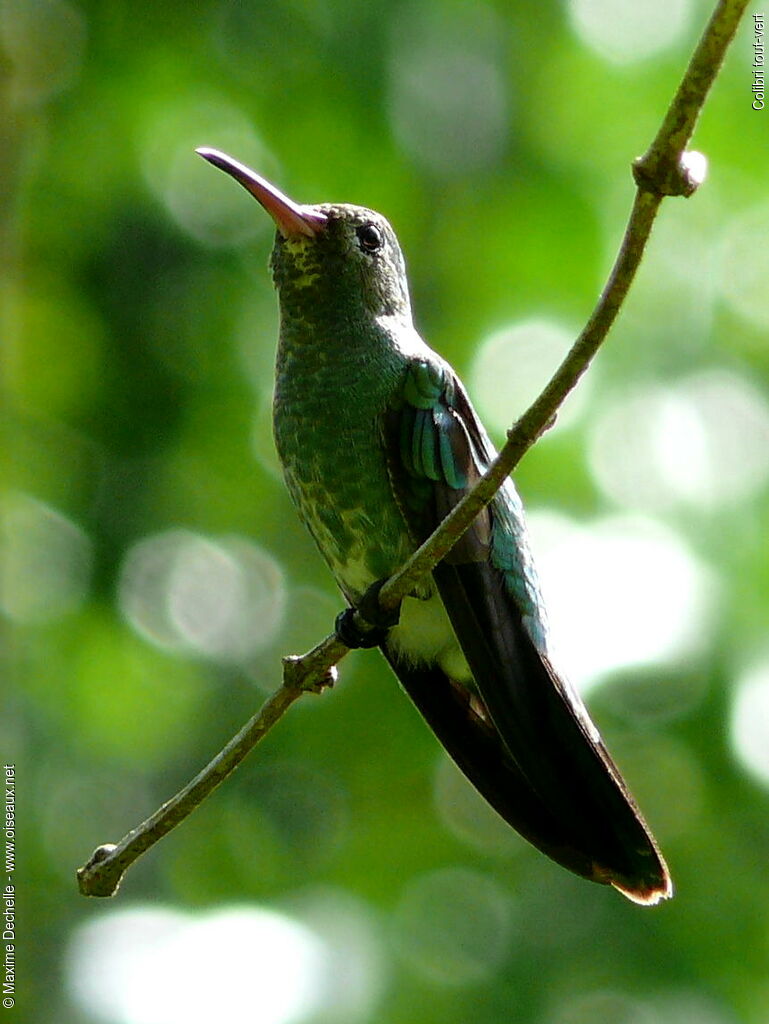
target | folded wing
x=522, y=736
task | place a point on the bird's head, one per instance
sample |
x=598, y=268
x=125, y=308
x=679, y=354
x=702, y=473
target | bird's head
x=329, y=260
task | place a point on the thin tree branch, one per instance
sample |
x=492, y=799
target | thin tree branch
x=665, y=169
x=102, y=874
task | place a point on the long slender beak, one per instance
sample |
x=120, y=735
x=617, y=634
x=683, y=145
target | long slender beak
x=291, y=219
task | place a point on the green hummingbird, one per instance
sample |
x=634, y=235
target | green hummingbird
x=378, y=441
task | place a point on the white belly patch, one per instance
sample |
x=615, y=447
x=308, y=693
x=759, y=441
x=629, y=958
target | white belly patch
x=424, y=635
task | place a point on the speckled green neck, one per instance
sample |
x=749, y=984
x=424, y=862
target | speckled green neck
x=329, y=279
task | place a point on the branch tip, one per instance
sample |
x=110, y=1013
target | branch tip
x=663, y=177
x=100, y=876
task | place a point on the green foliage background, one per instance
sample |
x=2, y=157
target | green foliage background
x=137, y=342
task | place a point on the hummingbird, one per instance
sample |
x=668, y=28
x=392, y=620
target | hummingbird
x=379, y=441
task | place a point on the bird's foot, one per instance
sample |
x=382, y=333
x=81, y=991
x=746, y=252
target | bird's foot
x=380, y=622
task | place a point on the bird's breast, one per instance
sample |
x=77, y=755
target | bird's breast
x=327, y=421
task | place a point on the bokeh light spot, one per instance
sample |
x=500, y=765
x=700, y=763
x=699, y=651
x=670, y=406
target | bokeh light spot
x=354, y=963
x=620, y=591
x=202, y=200
x=45, y=561
x=705, y=443
x=223, y=599
x=511, y=367
x=160, y=966
x=622, y=31
x=454, y=926
x=750, y=722
x=636, y=443
x=448, y=95
x=205, y=591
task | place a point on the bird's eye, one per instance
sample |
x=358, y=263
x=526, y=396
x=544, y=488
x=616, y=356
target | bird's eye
x=369, y=237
